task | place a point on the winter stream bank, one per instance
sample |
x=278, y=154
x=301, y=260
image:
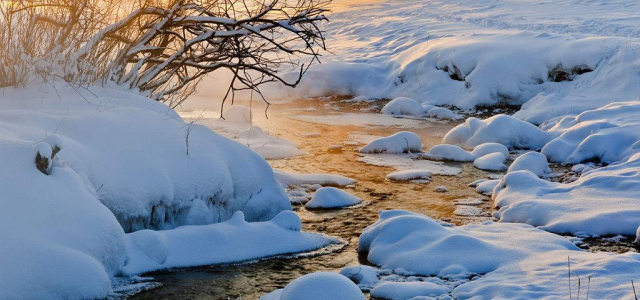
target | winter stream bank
x=331, y=131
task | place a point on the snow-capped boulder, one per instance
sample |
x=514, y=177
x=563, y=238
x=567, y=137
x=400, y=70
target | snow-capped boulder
x=486, y=187
x=400, y=142
x=403, y=106
x=408, y=290
x=364, y=276
x=318, y=286
x=330, y=197
x=531, y=161
x=442, y=113
x=449, y=152
x=488, y=148
x=502, y=129
x=491, y=162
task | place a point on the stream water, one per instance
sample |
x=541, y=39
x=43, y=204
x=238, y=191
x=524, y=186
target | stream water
x=250, y=281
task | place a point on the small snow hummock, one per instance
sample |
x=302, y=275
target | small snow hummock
x=442, y=113
x=330, y=197
x=318, y=286
x=408, y=175
x=491, y=162
x=404, y=107
x=535, y=162
x=488, y=148
x=364, y=276
x=486, y=186
x=448, y=152
x=400, y=142
x=441, y=189
x=321, y=179
x=408, y=290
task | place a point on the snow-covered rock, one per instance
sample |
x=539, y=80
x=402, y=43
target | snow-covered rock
x=318, y=286
x=364, y=276
x=502, y=129
x=488, y=148
x=534, y=162
x=491, y=162
x=321, y=179
x=449, y=152
x=330, y=197
x=442, y=113
x=267, y=146
x=400, y=142
x=408, y=290
x=486, y=187
x=407, y=175
x=403, y=106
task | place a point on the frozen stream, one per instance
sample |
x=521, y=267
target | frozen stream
x=250, y=281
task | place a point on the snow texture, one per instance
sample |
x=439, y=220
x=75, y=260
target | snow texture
x=449, y=152
x=321, y=179
x=364, y=276
x=408, y=175
x=491, y=162
x=403, y=106
x=268, y=146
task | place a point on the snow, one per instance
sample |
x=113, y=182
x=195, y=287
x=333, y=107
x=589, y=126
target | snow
x=488, y=148
x=443, y=113
x=189, y=246
x=321, y=179
x=126, y=163
x=318, y=286
x=238, y=113
x=502, y=129
x=534, y=162
x=449, y=152
x=408, y=175
x=330, y=197
x=600, y=202
x=486, y=187
x=403, y=106
x=491, y=162
x=267, y=146
x=407, y=290
x=411, y=243
x=400, y=142
x=403, y=162
x=608, y=134
x=361, y=119
x=364, y=276
x=512, y=259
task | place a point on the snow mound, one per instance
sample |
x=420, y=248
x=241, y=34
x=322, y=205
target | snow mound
x=321, y=179
x=408, y=290
x=502, y=129
x=411, y=243
x=267, y=146
x=486, y=187
x=187, y=246
x=400, y=142
x=403, y=106
x=318, y=286
x=600, y=202
x=443, y=113
x=449, y=152
x=491, y=162
x=408, y=175
x=531, y=161
x=330, y=197
x=608, y=134
x=488, y=148
x=364, y=276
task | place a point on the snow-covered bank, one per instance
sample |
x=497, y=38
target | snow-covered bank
x=112, y=162
x=232, y=241
x=516, y=261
